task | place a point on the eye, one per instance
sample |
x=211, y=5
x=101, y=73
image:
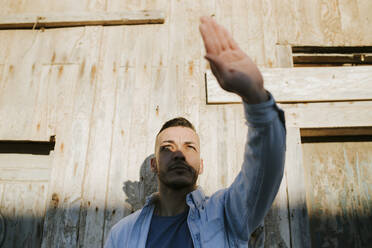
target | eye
x=192, y=147
x=166, y=147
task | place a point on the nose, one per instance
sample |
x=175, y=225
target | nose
x=178, y=155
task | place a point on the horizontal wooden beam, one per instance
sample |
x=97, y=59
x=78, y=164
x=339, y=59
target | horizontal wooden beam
x=331, y=49
x=69, y=19
x=328, y=115
x=336, y=59
x=340, y=131
x=308, y=84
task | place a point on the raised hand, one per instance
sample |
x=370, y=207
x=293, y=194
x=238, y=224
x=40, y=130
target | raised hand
x=234, y=70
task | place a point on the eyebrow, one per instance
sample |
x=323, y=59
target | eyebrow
x=171, y=141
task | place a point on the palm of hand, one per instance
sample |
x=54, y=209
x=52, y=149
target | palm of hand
x=234, y=70
x=237, y=71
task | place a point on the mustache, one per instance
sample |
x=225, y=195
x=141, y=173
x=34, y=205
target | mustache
x=180, y=164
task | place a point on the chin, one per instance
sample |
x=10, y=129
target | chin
x=180, y=185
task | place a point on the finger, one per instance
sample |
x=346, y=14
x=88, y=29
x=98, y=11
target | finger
x=209, y=43
x=222, y=40
x=231, y=42
x=211, y=34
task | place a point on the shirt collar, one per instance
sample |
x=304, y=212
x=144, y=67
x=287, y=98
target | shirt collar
x=197, y=197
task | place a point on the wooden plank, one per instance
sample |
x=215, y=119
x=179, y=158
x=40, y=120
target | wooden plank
x=2, y=72
x=25, y=85
x=16, y=174
x=190, y=83
x=341, y=131
x=19, y=88
x=329, y=115
x=41, y=6
x=223, y=13
x=71, y=88
x=270, y=32
x=71, y=19
x=134, y=128
x=323, y=22
x=284, y=56
x=294, y=174
x=305, y=85
x=277, y=228
x=208, y=126
x=129, y=5
x=23, y=207
x=119, y=203
x=287, y=21
x=131, y=128
x=338, y=192
x=62, y=82
x=74, y=141
x=332, y=49
x=329, y=17
x=1, y=195
x=24, y=161
x=223, y=133
x=247, y=28
x=364, y=9
x=332, y=59
x=2, y=220
x=309, y=29
x=96, y=174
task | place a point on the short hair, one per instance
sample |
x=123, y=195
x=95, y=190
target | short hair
x=176, y=122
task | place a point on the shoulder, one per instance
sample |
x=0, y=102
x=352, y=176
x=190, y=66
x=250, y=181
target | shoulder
x=218, y=197
x=200, y=199
x=120, y=232
x=126, y=222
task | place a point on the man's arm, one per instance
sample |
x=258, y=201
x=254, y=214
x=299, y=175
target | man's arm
x=250, y=196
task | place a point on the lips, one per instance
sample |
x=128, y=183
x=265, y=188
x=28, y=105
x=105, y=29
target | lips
x=179, y=166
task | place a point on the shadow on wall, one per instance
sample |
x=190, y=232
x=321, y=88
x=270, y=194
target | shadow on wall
x=137, y=191
x=27, y=231
x=349, y=229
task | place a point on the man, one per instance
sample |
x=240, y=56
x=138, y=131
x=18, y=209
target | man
x=179, y=215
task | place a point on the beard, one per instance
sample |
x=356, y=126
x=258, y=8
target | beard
x=178, y=176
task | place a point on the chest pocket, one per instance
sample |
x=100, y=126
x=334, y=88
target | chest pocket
x=213, y=234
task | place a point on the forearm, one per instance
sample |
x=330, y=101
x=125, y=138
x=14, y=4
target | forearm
x=253, y=191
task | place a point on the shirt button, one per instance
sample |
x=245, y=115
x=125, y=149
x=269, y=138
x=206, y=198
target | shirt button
x=192, y=216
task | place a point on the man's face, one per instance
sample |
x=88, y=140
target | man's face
x=177, y=153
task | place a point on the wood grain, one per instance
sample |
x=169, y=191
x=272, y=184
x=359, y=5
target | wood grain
x=305, y=85
x=294, y=173
x=55, y=20
x=94, y=183
x=338, y=189
x=41, y=6
x=247, y=28
x=329, y=115
x=72, y=91
x=23, y=207
x=146, y=74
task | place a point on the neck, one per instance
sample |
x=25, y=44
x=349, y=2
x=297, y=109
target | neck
x=171, y=202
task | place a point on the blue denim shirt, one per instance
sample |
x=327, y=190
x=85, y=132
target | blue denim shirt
x=229, y=216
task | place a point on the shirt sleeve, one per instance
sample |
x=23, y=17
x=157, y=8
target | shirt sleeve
x=250, y=196
x=109, y=241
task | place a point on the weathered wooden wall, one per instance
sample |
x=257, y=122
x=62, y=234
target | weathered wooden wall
x=104, y=92
x=338, y=179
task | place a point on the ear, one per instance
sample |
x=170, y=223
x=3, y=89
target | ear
x=153, y=166
x=201, y=169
